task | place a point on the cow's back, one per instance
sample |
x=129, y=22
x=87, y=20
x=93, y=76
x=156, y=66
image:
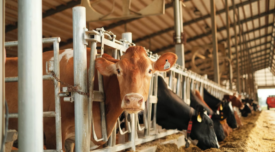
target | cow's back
x=11, y=92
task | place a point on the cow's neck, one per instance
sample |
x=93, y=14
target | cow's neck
x=113, y=102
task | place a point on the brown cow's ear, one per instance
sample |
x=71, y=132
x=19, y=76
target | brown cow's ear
x=165, y=62
x=105, y=67
x=109, y=58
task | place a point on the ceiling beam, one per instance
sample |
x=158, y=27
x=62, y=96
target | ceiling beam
x=253, y=53
x=191, y=22
x=47, y=13
x=253, y=47
x=209, y=33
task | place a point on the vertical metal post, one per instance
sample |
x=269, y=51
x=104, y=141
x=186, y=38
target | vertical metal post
x=179, y=85
x=184, y=93
x=155, y=107
x=215, y=43
x=188, y=91
x=178, y=21
x=2, y=71
x=57, y=98
x=171, y=80
x=228, y=44
x=30, y=85
x=82, y=138
x=241, y=88
x=236, y=46
x=91, y=83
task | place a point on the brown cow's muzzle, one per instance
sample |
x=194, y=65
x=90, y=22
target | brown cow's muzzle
x=133, y=103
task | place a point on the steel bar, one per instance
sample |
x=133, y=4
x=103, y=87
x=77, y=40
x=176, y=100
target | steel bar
x=91, y=76
x=236, y=47
x=2, y=71
x=178, y=24
x=45, y=114
x=228, y=43
x=155, y=105
x=30, y=85
x=215, y=42
x=58, y=130
x=15, y=79
x=44, y=40
x=82, y=136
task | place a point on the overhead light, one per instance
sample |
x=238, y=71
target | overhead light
x=197, y=12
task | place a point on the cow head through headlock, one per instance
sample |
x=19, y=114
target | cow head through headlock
x=134, y=71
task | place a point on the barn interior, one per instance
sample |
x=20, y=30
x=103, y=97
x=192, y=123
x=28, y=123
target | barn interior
x=230, y=42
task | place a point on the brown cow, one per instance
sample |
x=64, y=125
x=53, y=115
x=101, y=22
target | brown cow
x=126, y=84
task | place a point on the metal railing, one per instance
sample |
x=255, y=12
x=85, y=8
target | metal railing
x=185, y=81
x=180, y=81
x=51, y=65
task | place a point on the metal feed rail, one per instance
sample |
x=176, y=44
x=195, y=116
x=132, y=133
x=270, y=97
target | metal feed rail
x=51, y=66
x=191, y=81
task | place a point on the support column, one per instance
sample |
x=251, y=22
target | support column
x=229, y=46
x=215, y=42
x=236, y=47
x=30, y=97
x=2, y=71
x=82, y=135
x=178, y=36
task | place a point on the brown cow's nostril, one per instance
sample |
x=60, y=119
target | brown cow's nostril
x=140, y=101
x=127, y=101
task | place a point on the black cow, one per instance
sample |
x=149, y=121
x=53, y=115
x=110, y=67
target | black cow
x=173, y=113
x=214, y=103
x=215, y=117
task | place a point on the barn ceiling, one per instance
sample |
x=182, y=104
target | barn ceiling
x=256, y=18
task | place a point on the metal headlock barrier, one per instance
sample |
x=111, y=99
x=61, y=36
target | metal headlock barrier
x=180, y=80
x=53, y=66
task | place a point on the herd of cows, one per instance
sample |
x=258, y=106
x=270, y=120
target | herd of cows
x=126, y=85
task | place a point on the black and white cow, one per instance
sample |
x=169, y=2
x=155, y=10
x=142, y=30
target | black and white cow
x=174, y=113
x=214, y=103
x=195, y=101
x=246, y=110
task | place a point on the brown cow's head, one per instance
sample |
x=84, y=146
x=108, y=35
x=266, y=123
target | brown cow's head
x=134, y=72
x=236, y=102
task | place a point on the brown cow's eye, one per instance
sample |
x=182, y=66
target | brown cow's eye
x=150, y=71
x=118, y=71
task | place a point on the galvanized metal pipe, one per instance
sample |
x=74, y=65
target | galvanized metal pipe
x=2, y=71
x=44, y=40
x=91, y=76
x=30, y=85
x=228, y=44
x=215, y=42
x=178, y=22
x=82, y=138
x=179, y=85
x=15, y=79
x=45, y=114
x=57, y=98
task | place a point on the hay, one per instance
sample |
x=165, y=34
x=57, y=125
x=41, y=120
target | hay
x=256, y=135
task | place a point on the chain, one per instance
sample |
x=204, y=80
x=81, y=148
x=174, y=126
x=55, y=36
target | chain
x=71, y=88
